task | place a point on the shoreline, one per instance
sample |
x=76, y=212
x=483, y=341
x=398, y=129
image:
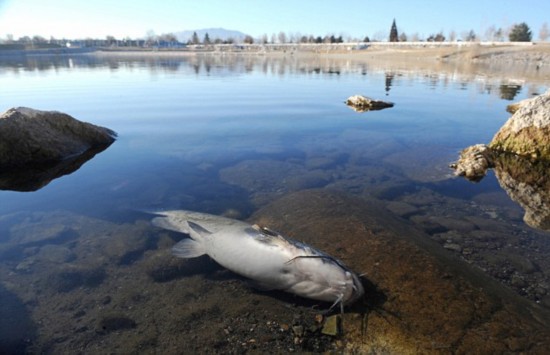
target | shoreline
x=524, y=61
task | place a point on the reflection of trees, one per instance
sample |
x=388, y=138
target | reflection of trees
x=389, y=80
x=509, y=91
x=241, y=64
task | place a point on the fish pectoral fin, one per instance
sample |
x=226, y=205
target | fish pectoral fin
x=188, y=248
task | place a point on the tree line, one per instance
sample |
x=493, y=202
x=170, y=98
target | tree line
x=517, y=33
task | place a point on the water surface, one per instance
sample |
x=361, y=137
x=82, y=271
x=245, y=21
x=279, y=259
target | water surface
x=227, y=134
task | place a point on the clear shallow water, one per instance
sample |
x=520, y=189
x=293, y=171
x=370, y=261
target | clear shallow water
x=234, y=134
x=183, y=120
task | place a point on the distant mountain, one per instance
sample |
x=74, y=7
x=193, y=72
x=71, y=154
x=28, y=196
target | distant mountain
x=213, y=33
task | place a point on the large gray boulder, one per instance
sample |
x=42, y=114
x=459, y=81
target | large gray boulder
x=527, y=132
x=39, y=146
x=30, y=137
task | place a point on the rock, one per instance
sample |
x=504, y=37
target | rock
x=128, y=245
x=419, y=297
x=474, y=162
x=527, y=132
x=30, y=136
x=453, y=247
x=55, y=254
x=113, y=322
x=39, y=146
x=361, y=103
x=332, y=325
x=67, y=278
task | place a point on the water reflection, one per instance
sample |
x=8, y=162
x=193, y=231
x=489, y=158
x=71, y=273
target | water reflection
x=35, y=177
x=527, y=183
x=389, y=80
x=190, y=138
x=509, y=91
x=435, y=75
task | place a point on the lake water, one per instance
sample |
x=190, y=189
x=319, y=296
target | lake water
x=228, y=135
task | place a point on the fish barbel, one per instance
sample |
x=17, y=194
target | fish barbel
x=269, y=260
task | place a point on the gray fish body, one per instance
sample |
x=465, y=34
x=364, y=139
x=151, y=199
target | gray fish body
x=270, y=260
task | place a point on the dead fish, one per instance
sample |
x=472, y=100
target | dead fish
x=268, y=259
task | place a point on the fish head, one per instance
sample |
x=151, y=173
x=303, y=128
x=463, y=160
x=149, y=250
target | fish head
x=357, y=290
x=327, y=279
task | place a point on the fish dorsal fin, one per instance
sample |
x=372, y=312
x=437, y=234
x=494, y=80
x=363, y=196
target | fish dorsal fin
x=197, y=232
x=167, y=222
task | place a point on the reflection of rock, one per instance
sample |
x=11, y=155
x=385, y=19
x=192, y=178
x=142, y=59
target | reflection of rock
x=527, y=132
x=36, y=176
x=38, y=146
x=363, y=104
x=527, y=183
x=437, y=301
x=474, y=162
x=520, y=155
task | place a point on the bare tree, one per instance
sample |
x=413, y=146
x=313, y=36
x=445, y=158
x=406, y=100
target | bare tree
x=415, y=37
x=150, y=37
x=282, y=37
x=452, y=36
x=499, y=35
x=490, y=33
x=469, y=36
x=543, y=32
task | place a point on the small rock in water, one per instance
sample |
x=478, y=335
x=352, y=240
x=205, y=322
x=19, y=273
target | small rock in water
x=332, y=326
x=453, y=247
x=361, y=103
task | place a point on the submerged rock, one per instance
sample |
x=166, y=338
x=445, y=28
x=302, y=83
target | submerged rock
x=363, y=104
x=39, y=146
x=474, y=162
x=527, y=132
x=419, y=298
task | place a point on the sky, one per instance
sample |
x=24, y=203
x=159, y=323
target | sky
x=75, y=19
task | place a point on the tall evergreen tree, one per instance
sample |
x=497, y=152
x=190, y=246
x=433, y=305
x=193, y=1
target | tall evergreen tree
x=206, y=39
x=520, y=33
x=394, y=36
x=195, y=38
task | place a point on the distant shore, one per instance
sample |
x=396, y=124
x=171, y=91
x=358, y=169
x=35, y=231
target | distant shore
x=523, y=60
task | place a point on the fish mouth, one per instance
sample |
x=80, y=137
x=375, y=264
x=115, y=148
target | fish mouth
x=357, y=290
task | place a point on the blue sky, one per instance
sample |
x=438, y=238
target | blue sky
x=353, y=18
